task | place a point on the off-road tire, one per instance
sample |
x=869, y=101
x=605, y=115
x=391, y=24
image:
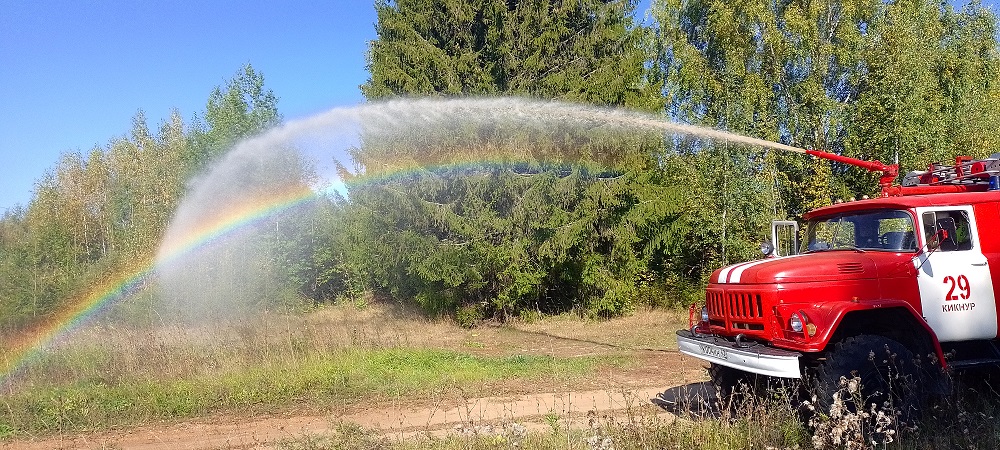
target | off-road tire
x=735, y=388
x=891, y=380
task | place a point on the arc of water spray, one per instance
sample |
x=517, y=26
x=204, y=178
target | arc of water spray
x=128, y=281
x=412, y=113
x=637, y=120
x=714, y=134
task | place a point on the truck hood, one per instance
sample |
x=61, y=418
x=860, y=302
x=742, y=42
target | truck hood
x=821, y=266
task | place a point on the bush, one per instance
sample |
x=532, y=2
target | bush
x=469, y=316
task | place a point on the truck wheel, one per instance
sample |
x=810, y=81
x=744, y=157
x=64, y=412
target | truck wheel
x=867, y=372
x=734, y=387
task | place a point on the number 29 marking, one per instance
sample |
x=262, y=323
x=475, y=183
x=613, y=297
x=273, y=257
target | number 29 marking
x=962, y=283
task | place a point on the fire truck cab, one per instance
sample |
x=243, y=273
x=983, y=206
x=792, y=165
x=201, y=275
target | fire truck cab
x=906, y=280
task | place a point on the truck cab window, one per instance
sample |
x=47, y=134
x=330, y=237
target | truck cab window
x=949, y=231
x=890, y=230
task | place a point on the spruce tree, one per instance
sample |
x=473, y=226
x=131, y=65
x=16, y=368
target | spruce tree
x=550, y=231
x=868, y=79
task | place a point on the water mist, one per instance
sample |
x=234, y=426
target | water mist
x=217, y=257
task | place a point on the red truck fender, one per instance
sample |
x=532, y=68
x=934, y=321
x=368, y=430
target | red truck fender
x=829, y=318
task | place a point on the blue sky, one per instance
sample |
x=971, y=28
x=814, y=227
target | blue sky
x=74, y=73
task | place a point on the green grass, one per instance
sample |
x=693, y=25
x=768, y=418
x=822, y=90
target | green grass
x=341, y=377
x=117, y=375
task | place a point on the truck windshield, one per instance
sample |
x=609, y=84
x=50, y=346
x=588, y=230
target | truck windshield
x=890, y=230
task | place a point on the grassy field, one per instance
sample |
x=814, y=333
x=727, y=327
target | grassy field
x=320, y=381
x=113, y=378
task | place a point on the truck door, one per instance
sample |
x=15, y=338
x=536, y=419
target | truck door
x=953, y=275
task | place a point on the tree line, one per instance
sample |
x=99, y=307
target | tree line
x=912, y=80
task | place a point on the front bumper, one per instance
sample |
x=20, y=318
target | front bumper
x=749, y=357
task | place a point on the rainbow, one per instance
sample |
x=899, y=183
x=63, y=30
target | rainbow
x=135, y=277
x=30, y=343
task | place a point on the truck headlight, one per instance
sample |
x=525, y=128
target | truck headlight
x=704, y=313
x=795, y=322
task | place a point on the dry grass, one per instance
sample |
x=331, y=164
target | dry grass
x=112, y=375
x=759, y=426
x=646, y=329
x=965, y=419
x=115, y=375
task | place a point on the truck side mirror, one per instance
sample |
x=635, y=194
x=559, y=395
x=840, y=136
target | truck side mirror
x=785, y=237
x=767, y=248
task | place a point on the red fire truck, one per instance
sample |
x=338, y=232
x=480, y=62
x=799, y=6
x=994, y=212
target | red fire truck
x=892, y=289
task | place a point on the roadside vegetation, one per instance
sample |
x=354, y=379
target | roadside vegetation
x=631, y=430
x=963, y=420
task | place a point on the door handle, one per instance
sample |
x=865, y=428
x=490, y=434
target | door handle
x=980, y=264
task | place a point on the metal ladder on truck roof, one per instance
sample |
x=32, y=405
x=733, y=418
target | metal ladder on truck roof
x=965, y=171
